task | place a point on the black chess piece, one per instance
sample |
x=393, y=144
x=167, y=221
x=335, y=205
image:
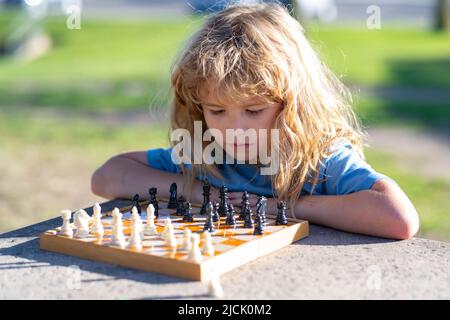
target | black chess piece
x=231, y=220
x=259, y=229
x=206, y=195
x=245, y=206
x=180, y=206
x=248, y=221
x=135, y=203
x=173, y=196
x=223, y=196
x=281, y=215
x=152, y=200
x=216, y=216
x=209, y=225
x=262, y=209
x=187, y=216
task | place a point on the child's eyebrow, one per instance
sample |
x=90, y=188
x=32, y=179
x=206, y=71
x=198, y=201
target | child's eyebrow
x=245, y=106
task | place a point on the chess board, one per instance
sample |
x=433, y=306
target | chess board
x=234, y=246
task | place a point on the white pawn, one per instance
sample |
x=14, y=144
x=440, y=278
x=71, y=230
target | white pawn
x=150, y=227
x=208, y=247
x=168, y=227
x=117, y=237
x=195, y=253
x=135, y=241
x=66, y=229
x=136, y=218
x=97, y=227
x=187, y=245
x=81, y=222
x=171, y=240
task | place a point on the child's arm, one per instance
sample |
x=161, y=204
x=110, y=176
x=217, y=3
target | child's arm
x=383, y=211
x=126, y=174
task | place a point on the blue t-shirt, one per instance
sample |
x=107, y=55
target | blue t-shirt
x=343, y=172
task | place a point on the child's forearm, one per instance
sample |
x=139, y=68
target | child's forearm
x=385, y=213
x=122, y=177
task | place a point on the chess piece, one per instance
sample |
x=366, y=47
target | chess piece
x=245, y=206
x=173, y=196
x=117, y=237
x=209, y=226
x=206, y=195
x=187, y=239
x=97, y=227
x=150, y=227
x=208, y=247
x=135, y=241
x=263, y=205
x=187, y=215
x=216, y=216
x=66, y=229
x=171, y=240
x=136, y=203
x=152, y=200
x=195, y=254
x=168, y=228
x=281, y=215
x=223, y=196
x=230, y=221
x=260, y=216
x=136, y=218
x=248, y=221
x=180, y=206
x=81, y=222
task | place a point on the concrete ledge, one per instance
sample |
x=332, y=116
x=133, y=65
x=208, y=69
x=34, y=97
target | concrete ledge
x=329, y=264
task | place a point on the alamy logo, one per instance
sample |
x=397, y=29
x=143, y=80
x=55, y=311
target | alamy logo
x=240, y=146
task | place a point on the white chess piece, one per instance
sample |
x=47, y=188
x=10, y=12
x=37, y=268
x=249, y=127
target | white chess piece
x=215, y=288
x=135, y=241
x=97, y=227
x=150, y=227
x=66, y=229
x=81, y=222
x=208, y=247
x=136, y=218
x=167, y=228
x=195, y=253
x=117, y=237
x=171, y=240
x=187, y=239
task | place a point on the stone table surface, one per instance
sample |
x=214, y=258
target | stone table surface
x=328, y=264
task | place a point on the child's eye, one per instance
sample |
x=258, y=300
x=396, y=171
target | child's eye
x=216, y=111
x=254, y=112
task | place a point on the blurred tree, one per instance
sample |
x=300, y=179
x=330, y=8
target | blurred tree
x=442, y=18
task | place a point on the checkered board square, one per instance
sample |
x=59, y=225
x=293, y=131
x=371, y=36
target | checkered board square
x=233, y=246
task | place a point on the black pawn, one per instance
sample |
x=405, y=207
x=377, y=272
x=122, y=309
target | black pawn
x=259, y=226
x=223, y=195
x=152, y=200
x=206, y=196
x=281, y=215
x=136, y=203
x=187, y=216
x=216, y=216
x=173, y=196
x=231, y=221
x=245, y=206
x=209, y=226
x=180, y=206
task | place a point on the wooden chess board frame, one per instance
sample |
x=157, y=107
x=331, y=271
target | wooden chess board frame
x=216, y=265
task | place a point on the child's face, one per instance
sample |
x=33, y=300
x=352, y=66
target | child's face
x=253, y=113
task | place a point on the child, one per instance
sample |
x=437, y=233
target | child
x=250, y=67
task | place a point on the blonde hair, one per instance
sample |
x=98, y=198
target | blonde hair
x=261, y=50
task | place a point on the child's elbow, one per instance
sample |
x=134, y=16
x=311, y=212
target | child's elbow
x=99, y=184
x=407, y=226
